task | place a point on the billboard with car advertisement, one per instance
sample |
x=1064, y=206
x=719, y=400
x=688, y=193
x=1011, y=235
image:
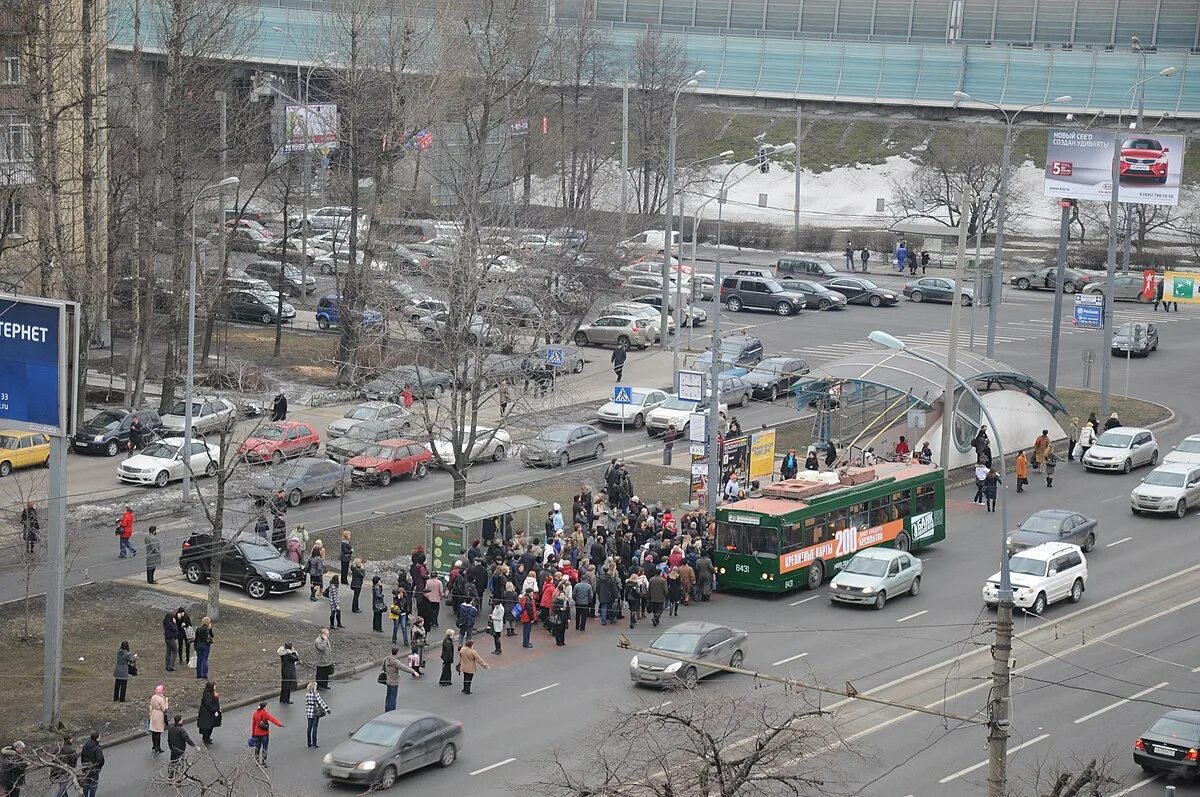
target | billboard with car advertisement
x=1079, y=166
x=309, y=127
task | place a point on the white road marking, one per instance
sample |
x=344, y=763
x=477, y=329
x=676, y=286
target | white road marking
x=494, y=766
x=789, y=658
x=982, y=764
x=804, y=600
x=1114, y=498
x=1118, y=542
x=1120, y=703
x=652, y=709
x=1134, y=787
x=911, y=616
x=543, y=689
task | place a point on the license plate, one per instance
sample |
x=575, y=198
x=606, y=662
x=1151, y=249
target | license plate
x=1139, y=167
x=339, y=772
x=1167, y=751
x=296, y=584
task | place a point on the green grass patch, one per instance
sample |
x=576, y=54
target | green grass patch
x=1131, y=411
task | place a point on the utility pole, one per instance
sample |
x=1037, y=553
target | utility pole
x=1106, y=330
x=624, y=154
x=948, y=402
x=975, y=277
x=306, y=169
x=997, y=255
x=56, y=579
x=1064, y=230
x=669, y=227
x=997, y=780
x=796, y=207
x=223, y=144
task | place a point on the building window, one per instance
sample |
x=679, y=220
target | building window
x=12, y=63
x=14, y=217
x=14, y=138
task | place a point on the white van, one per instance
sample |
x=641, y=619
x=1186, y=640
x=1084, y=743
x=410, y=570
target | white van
x=649, y=242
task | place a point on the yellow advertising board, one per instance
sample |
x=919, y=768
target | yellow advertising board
x=1181, y=287
x=762, y=454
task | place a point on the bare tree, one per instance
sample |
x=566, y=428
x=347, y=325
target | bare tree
x=659, y=66
x=1090, y=777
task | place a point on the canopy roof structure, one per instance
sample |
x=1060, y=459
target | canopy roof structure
x=474, y=513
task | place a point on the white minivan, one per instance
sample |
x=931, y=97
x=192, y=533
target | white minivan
x=648, y=242
x=1044, y=574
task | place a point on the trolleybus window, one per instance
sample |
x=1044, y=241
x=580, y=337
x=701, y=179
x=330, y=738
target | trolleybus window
x=747, y=539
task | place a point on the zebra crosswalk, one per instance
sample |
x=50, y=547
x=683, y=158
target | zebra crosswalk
x=833, y=351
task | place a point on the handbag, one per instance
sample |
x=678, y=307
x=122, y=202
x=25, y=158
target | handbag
x=192, y=662
x=382, y=675
x=133, y=670
x=516, y=611
x=189, y=633
x=320, y=711
x=264, y=725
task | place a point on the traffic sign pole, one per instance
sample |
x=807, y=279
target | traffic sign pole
x=622, y=397
x=1064, y=228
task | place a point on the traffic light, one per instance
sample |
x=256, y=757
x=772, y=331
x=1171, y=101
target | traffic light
x=764, y=164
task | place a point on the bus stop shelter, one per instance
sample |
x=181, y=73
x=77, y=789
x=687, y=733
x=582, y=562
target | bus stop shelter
x=448, y=534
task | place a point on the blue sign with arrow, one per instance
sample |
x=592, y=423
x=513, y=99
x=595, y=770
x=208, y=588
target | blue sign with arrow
x=622, y=394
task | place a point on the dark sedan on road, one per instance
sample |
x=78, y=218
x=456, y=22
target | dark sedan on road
x=252, y=306
x=307, y=477
x=564, y=443
x=936, y=289
x=774, y=376
x=1135, y=338
x=108, y=431
x=1170, y=744
x=859, y=290
x=391, y=745
x=816, y=294
x=1054, y=525
x=247, y=561
x=1046, y=279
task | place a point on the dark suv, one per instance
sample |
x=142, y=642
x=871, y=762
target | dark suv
x=108, y=432
x=760, y=293
x=249, y=562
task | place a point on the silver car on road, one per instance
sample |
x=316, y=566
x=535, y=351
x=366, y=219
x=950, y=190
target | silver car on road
x=1122, y=448
x=702, y=642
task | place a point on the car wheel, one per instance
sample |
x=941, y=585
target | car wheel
x=294, y=498
x=1089, y=543
x=159, y=481
x=783, y=308
x=428, y=333
x=438, y=390
x=917, y=296
x=1181, y=509
x=498, y=454
x=581, y=339
x=1077, y=591
x=194, y=573
x=639, y=421
x=1128, y=466
x=599, y=450
x=875, y=301
x=816, y=574
x=388, y=779
x=265, y=318
x=276, y=456
x=734, y=304
x=902, y=543
x=322, y=322
x=1068, y=287
x=421, y=472
x=823, y=304
x=773, y=393
x=385, y=478
x=880, y=600
x=916, y=587
x=578, y=369
x=623, y=341
x=690, y=678
x=1039, y=604
x=964, y=300
x=112, y=449
x=1023, y=284
x=256, y=588
x=449, y=754
x=745, y=400
x=1154, y=459
x=416, y=319
x=339, y=489
x=736, y=659
x=210, y=469
x=564, y=459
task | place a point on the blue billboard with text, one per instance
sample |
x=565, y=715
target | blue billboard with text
x=32, y=363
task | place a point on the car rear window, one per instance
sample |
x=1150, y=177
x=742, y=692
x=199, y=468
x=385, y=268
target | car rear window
x=1177, y=729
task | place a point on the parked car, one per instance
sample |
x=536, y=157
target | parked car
x=649, y=315
x=689, y=313
x=757, y=293
x=573, y=358
x=803, y=266
x=247, y=561
x=1187, y=452
x=401, y=257
x=287, y=279
x=1135, y=338
x=775, y=376
x=511, y=309
x=343, y=448
x=307, y=477
x=1171, y=487
x=419, y=306
x=611, y=330
x=164, y=461
x=642, y=400
x=391, y=745
x=21, y=449
x=278, y=441
x=1054, y=525
x=291, y=249
x=536, y=242
x=707, y=642
x=1143, y=158
x=367, y=411
x=937, y=289
x=738, y=354
x=474, y=332
x=816, y=294
x=162, y=298
x=245, y=238
x=486, y=443
x=209, y=414
x=1126, y=288
x=241, y=281
x=332, y=217
x=1045, y=574
x=1170, y=744
x=648, y=242
x=329, y=313
x=569, y=238
x=859, y=290
x=422, y=382
x=108, y=430
x=390, y=459
x=1123, y=448
x=1047, y=279
x=263, y=308
x=875, y=574
x=564, y=443
x=678, y=413
x=734, y=390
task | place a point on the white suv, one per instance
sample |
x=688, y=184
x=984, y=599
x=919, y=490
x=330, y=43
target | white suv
x=1042, y=575
x=1173, y=487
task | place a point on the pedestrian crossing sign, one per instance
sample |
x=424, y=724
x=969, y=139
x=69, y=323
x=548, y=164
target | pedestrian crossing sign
x=622, y=394
x=555, y=356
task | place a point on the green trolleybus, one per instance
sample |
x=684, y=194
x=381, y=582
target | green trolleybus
x=803, y=530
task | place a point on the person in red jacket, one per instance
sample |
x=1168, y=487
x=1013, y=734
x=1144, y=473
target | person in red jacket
x=125, y=532
x=546, y=602
x=260, y=732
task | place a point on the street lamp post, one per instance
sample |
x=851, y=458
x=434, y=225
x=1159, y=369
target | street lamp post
x=713, y=392
x=189, y=382
x=998, y=714
x=688, y=83
x=1002, y=205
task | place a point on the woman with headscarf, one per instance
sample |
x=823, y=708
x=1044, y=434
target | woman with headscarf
x=447, y=678
x=157, y=722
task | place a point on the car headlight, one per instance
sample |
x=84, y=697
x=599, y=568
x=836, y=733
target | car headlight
x=372, y=470
x=98, y=438
x=868, y=590
x=366, y=766
x=1008, y=541
x=274, y=577
x=633, y=662
x=673, y=667
x=328, y=759
x=722, y=571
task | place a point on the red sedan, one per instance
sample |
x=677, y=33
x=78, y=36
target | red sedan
x=388, y=459
x=278, y=441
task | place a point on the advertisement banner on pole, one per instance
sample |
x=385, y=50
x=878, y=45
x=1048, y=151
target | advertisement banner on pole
x=39, y=343
x=735, y=459
x=309, y=127
x=1079, y=165
x=762, y=454
x=1180, y=287
x=699, y=482
x=1149, y=284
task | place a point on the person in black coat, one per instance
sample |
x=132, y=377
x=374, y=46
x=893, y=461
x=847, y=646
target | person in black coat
x=65, y=759
x=618, y=360
x=91, y=758
x=831, y=454
x=178, y=741
x=346, y=557
x=171, y=640
x=30, y=526
x=279, y=407
x=209, y=716
x=288, y=659
x=447, y=678
x=358, y=574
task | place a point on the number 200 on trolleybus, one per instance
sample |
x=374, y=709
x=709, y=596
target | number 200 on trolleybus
x=803, y=530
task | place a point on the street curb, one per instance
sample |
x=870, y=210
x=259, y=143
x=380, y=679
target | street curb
x=191, y=718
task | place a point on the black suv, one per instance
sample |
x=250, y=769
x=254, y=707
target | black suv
x=760, y=293
x=250, y=562
x=108, y=432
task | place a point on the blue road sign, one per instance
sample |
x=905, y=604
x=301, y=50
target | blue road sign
x=555, y=356
x=622, y=394
x=1089, y=311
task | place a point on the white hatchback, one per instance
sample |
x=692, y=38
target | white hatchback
x=1042, y=575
